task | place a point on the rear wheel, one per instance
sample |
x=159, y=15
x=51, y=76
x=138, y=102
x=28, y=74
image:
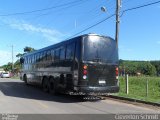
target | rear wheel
x=25, y=79
x=52, y=86
x=45, y=84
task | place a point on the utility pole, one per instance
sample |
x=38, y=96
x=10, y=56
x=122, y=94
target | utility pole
x=12, y=58
x=118, y=2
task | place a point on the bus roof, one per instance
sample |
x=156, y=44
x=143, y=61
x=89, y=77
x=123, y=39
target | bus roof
x=63, y=42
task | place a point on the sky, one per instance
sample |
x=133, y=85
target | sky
x=46, y=22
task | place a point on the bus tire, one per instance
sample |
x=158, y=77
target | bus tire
x=52, y=86
x=25, y=79
x=45, y=85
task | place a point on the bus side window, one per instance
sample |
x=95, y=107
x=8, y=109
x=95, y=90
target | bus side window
x=41, y=56
x=78, y=50
x=37, y=57
x=25, y=60
x=62, y=53
x=33, y=59
x=44, y=56
x=70, y=51
x=57, y=54
x=29, y=59
x=52, y=55
x=48, y=55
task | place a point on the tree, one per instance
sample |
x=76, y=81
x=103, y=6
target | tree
x=7, y=67
x=28, y=49
x=156, y=64
x=133, y=67
x=19, y=55
x=17, y=64
x=147, y=68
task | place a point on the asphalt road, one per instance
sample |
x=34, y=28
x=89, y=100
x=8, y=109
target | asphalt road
x=18, y=98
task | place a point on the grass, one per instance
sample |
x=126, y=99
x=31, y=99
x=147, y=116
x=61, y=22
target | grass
x=137, y=88
x=15, y=77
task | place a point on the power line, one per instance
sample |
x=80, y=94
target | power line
x=141, y=6
x=138, y=7
x=55, y=12
x=60, y=12
x=93, y=25
x=39, y=10
x=130, y=9
x=61, y=9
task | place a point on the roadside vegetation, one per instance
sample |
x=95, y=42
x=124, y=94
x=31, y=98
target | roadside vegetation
x=134, y=68
x=15, y=77
x=139, y=73
x=137, y=88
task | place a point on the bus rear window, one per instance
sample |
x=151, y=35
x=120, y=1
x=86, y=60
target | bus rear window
x=100, y=49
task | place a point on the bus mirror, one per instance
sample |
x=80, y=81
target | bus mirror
x=21, y=60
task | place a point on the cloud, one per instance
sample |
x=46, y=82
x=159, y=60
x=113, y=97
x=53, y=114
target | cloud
x=48, y=33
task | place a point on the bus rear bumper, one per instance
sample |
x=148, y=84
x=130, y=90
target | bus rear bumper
x=98, y=90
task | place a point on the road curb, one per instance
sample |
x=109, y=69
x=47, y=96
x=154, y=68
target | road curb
x=134, y=100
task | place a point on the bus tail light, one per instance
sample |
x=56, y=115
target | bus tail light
x=84, y=77
x=116, y=72
x=85, y=72
x=85, y=67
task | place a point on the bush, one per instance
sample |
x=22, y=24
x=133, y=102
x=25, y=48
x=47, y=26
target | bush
x=133, y=67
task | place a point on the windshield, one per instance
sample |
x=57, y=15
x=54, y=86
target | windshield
x=5, y=73
x=100, y=49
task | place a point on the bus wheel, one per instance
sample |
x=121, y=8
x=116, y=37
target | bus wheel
x=45, y=84
x=52, y=86
x=25, y=79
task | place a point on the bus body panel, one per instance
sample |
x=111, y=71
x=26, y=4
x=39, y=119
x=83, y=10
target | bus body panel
x=64, y=63
x=101, y=75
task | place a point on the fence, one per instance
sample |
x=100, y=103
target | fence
x=140, y=87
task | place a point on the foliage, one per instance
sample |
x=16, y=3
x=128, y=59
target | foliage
x=7, y=67
x=19, y=55
x=28, y=49
x=134, y=67
x=157, y=66
x=17, y=64
x=137, y=88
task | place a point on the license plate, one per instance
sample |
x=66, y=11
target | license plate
x=102, y=81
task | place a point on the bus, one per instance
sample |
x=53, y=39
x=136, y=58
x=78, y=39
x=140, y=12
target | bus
x=84, y=64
